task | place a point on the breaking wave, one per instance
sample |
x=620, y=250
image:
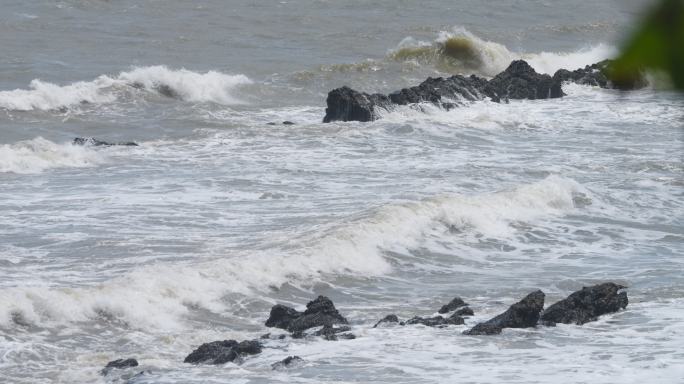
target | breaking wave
x=459, y=51
x=158, y=297
x=180, y=84
x=39, y=154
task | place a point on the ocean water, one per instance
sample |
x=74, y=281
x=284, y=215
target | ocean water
x=191, y=237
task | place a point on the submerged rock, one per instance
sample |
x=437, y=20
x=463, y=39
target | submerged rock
x=456, y=303
x=287, y=362
x=119, y=364
x=221, y=352
x=387, y=319
x=319, y=312
x=587, y=304
x=437, y=321
x=523, y=314
x=98, y=143
x=331, y=333
x=466, y=311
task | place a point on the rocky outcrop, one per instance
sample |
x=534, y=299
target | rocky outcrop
x=521, y=81
x=319, y=312
x=119, y=364
x=99, y=143
x=456, y=303
x=518, y=81
x=288, y=362
x=221, y=352
x=587, y=304
x=523, y=314
x=281, y=316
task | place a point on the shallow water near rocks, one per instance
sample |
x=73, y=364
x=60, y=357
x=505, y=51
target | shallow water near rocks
x=191, y=237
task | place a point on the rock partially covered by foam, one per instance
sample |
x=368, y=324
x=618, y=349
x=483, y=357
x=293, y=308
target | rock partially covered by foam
x=587, y=304
x=456, y=303
x=521, y=81
x=518, y=81
x=523, y=314
x=288, y=362
x=319, y=312
x=221, y=352
x=99, y=143
x=437, y=321
x=597, y=75
x=389, y=319
x=119, y=364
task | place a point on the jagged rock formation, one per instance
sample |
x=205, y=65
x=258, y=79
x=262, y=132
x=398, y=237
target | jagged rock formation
x=587, y=304
x=518, y=81
x=319, y=312
x=523, y=314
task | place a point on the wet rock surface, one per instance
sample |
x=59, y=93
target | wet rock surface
x=319, y=312
x=221, y=352
x=389, y=319
x=456, y=303
x=587, y=304
x=523, y=314
x=518, y=81
x=119, y=364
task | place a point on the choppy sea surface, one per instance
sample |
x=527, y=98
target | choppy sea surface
x=191, y=237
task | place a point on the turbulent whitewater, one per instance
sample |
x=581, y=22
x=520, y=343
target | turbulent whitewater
x=223, y=210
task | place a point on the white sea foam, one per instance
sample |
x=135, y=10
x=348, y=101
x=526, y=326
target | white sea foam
x=190, y=86
x=39, y=154
x=158, y=296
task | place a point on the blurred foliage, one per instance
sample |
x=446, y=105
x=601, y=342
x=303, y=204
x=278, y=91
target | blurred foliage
x=657, y=44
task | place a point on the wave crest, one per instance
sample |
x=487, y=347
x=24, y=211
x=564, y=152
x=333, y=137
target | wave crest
x=459, y=51
x=159, y=297
x=36, y=155
x=181, y=84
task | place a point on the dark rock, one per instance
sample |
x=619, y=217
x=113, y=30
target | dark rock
x=387, y=319
x=346, y=104
x=119, y=364
x=98, y=143
x=437, y=321
x=521, y=81
x=319, y=312
x=464, y=312
x=522, y=314
x=457, y=302
x=587, y=304
x=220, y=352
x=288, y=362
x=597, y=75
x=518, y=81
x=281, y=316
x=330, y=333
